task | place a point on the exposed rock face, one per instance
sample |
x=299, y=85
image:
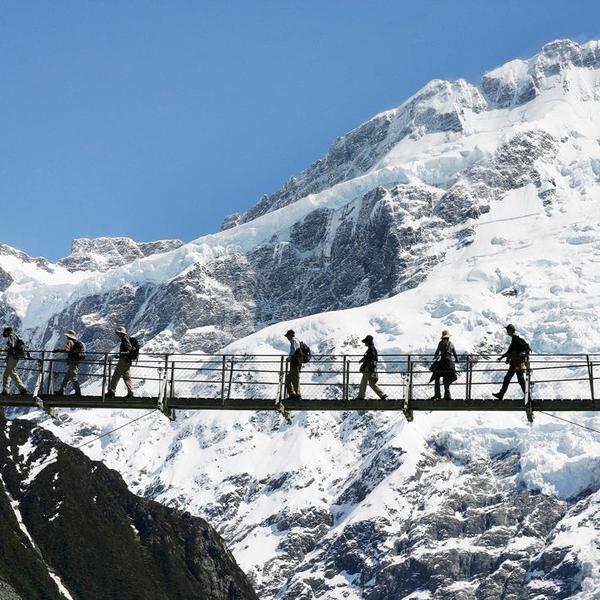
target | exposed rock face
x=521, y=81
x=80, y=523
x=439, y=107
x=101, y=254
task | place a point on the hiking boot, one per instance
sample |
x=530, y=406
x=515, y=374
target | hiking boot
x=5, y=393
x=498, y=395
x=59, y=393
x=130, y=395
x=384, y=397
x=23, y=391
x=435, y=398
x=110, y=394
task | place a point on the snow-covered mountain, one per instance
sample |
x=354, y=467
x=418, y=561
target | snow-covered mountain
x=466, y=207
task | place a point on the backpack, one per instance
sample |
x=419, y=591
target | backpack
x=306, y=353
x=20, y=350
x=134, y=353
x=522, y=346
x=78, y=351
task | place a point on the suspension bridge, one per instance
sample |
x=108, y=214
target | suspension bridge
x=171, y=382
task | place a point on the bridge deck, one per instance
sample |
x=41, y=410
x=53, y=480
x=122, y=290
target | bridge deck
x=319, y=404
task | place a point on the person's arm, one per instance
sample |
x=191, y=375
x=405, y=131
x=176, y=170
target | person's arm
x=438, y=351
x=454, y=352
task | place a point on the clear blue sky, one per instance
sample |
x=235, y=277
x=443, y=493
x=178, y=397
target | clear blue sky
x=155, y=119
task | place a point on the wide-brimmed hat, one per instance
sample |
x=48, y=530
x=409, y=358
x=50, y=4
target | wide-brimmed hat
x=71, y=334
x=445, y=334
x=368, y=339
x=121, y=330
x=289, y=332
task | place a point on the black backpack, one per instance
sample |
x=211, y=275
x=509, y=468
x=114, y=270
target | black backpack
x=134, y=353
x=78, y=352
x=522, y=345
x=306, y=353
x=20, y=350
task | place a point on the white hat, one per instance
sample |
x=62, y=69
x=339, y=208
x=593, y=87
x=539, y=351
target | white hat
x=121, y=330
x=71, y=334
x=445, y=334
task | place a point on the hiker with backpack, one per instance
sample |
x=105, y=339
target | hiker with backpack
x=15, y=350
x=299, y=353
x=75, y=350
x=368, y=368
x=127, y=354
x=517, y=357
x=443, y=367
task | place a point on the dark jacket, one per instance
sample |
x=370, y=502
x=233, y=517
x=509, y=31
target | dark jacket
x=370, y=358
x=518, y=351
x=443, y=363
x=11, y=345
x=125, y=347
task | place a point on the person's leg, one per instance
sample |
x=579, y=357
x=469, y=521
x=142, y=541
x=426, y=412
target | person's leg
x=127, y=377
x=362, y=388
x=507, y=378
x=12, y=365
x=116, y=376
x=288, y=384
x=447, y=383
x=373, y=385
x=296, y=379
x=436, y=388
x=5, y=379
x=521, y=379
x=75, y=378
x=69, y=376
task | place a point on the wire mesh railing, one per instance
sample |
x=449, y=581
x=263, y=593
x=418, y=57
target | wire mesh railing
x=333, y=377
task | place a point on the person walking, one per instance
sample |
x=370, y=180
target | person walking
x=443, y=367
x=123, y=365
x=15, y=350
x=516, y=357
x=74, y=351
x=295, y=360
x=368, y=368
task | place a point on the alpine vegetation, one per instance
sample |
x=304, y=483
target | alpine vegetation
x=467, y=208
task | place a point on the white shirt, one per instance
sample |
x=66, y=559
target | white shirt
x=294, y=346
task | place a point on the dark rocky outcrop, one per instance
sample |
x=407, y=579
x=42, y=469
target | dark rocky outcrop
x=102, y=541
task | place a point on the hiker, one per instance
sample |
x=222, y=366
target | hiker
x=123, y=365
x=368, y=368
x=516, y=357
x=443, y=367
x=295, y=360
x=75, y=354
x=15, y=350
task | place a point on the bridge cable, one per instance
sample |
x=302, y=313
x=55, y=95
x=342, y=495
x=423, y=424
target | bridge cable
x=95, y=439
x=568, y=421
